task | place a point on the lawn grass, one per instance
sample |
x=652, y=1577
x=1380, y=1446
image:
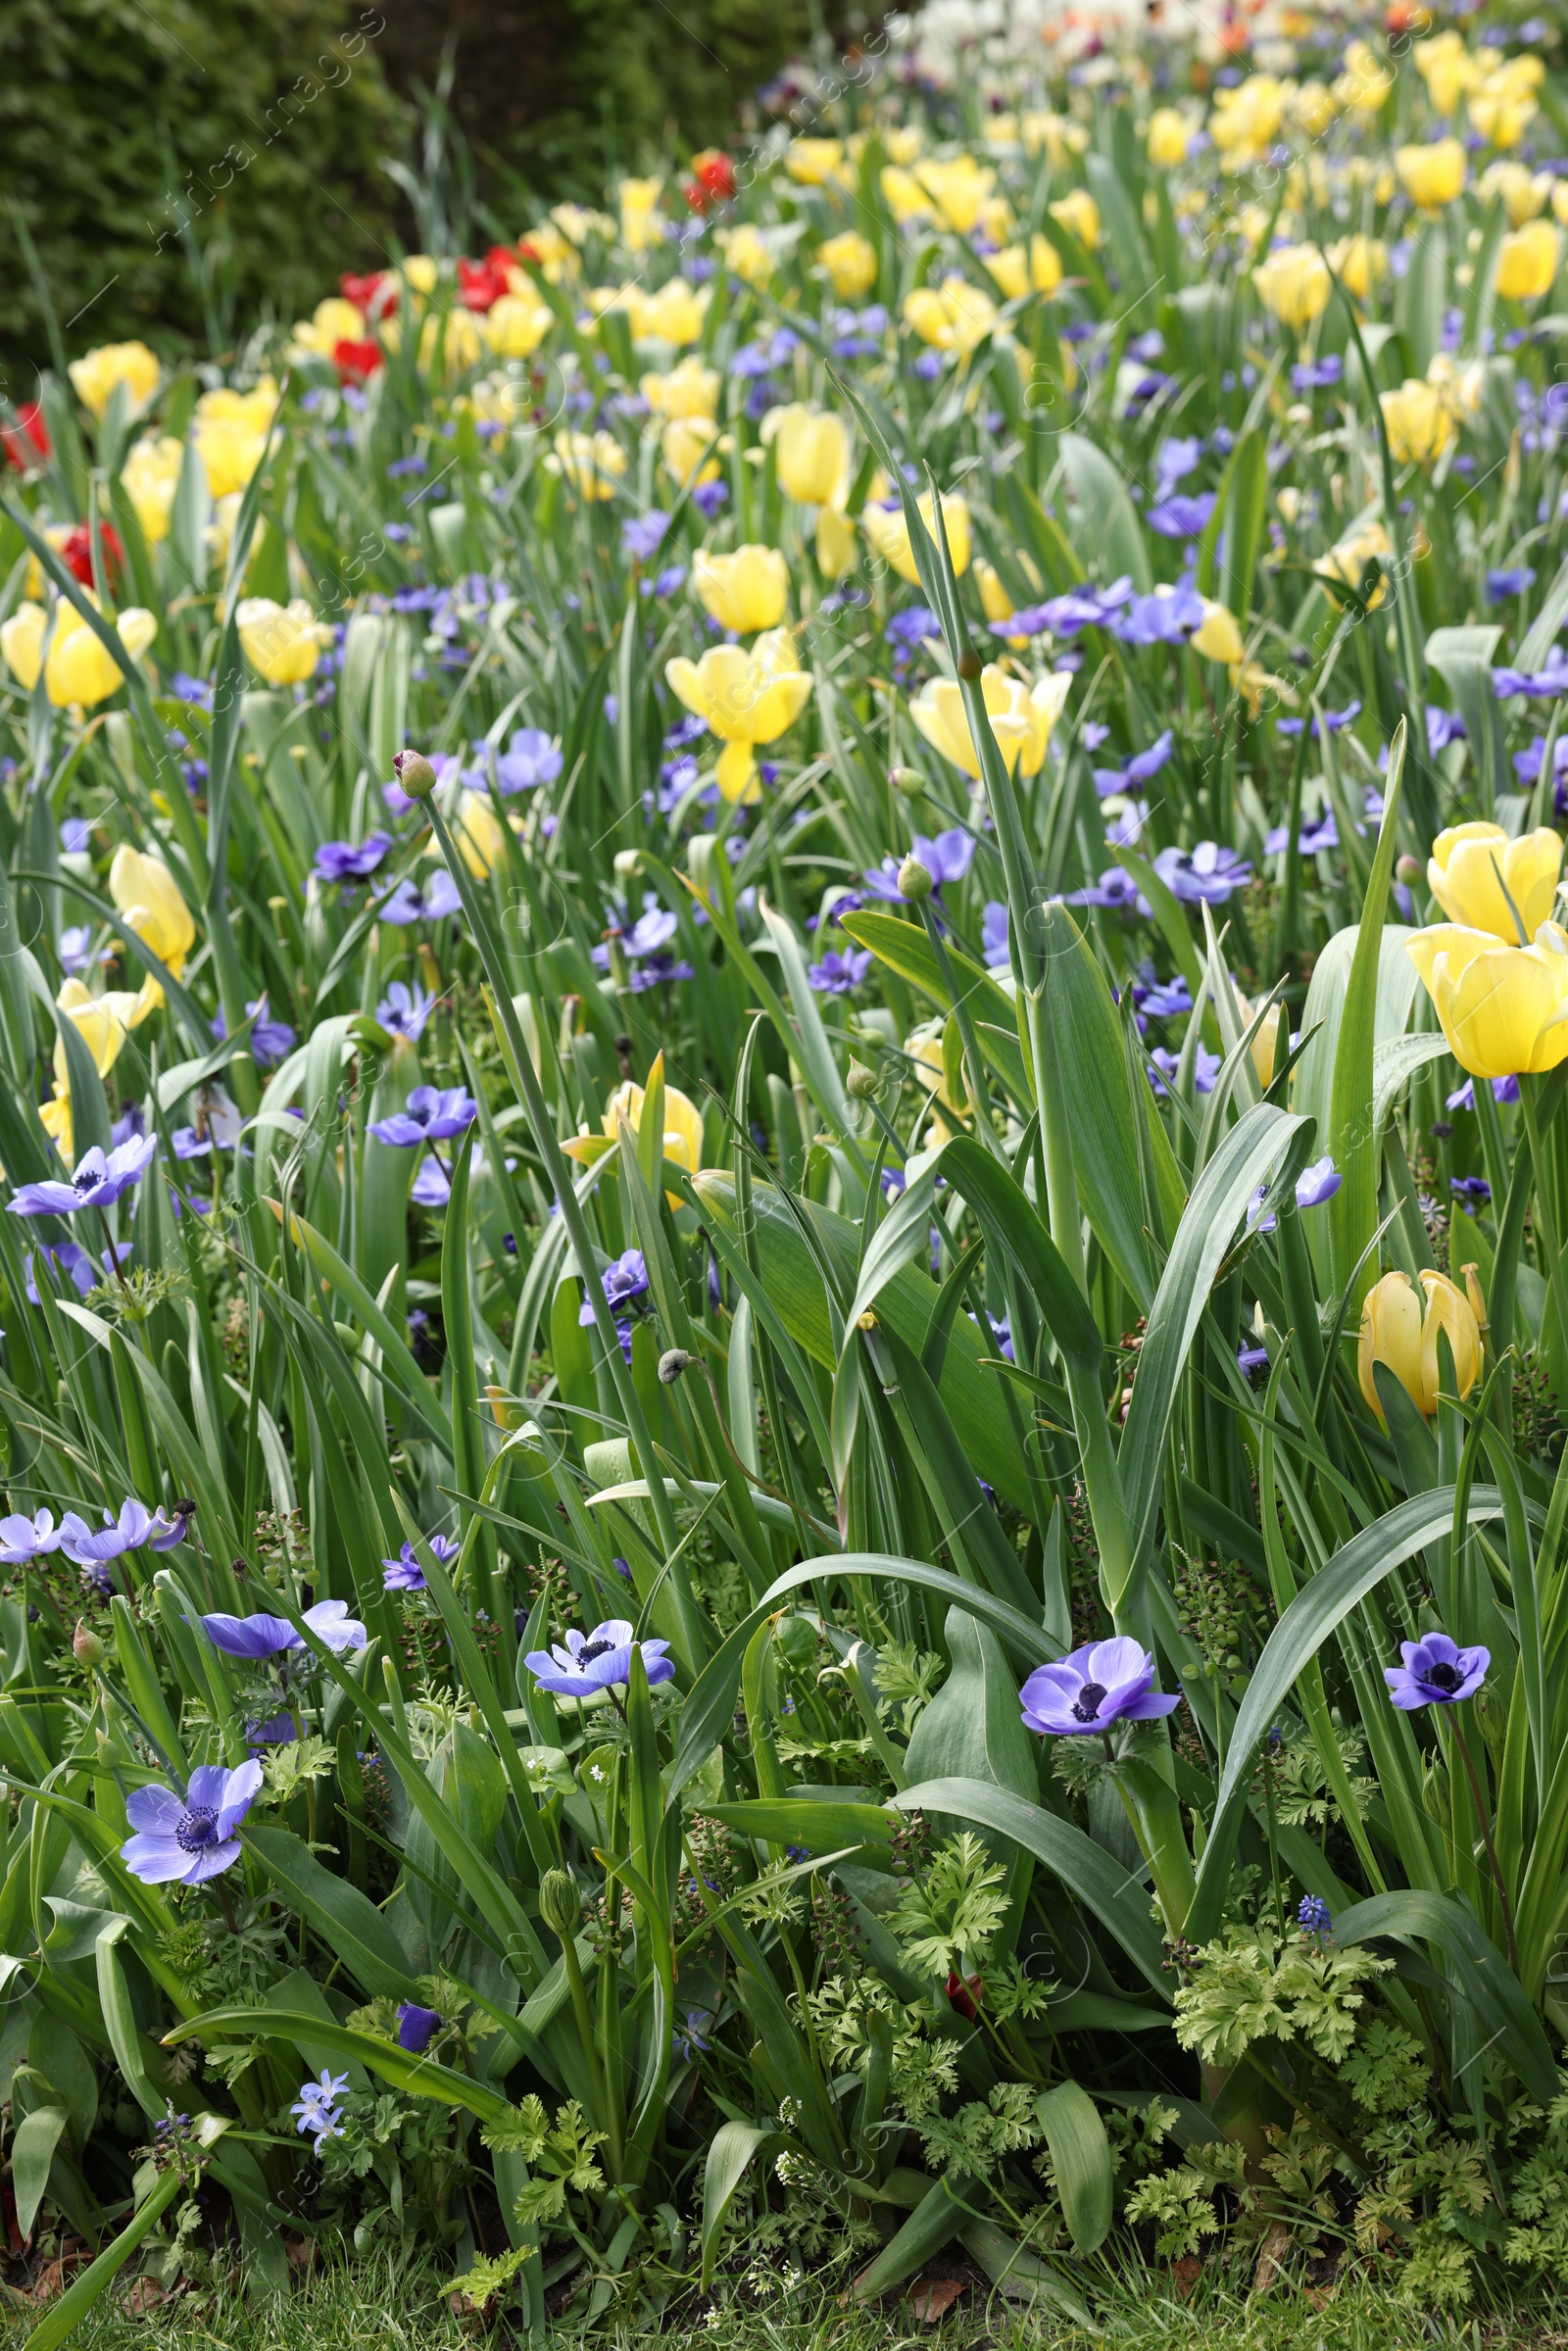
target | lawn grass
x=386, y=2305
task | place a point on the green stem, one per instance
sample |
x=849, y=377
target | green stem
x=560, y=1174
x=585, y=2031
x=1486, y=1834
x=1545, y=1213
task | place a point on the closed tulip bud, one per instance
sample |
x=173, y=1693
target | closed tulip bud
x=908, y=780
x=86, y=1647
x=1408, y=870
x=559, y=1904
x=414, y=773
x=1477, y=1296
x=914, y=878
x=862, y=1083
x=1396, y=1332
x=672, y=1363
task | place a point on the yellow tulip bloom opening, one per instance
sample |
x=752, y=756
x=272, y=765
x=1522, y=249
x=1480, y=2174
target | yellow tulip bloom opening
x=883, y=526
x=1293, y=285
x=95, y=377
x=1397, y=1331
x=1503, y=1010
x=746, y=698
x=1021, y=718
x=811, y=451
x=1480, y=878
x=282, y=641
x=148, y=897
x=79, y=668
x=745, y=591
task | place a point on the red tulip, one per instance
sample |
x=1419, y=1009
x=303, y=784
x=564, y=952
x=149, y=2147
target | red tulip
x=76, y=553
x=715, y=173
x=374, y=293
x=355, y=362
x=26, y=441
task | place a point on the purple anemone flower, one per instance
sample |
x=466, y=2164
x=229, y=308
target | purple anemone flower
x=189, y=1838
x=431, y=1187
x=416, y=2026
x=1209, y=872
x=431, y=1114
x=405, y=906
x=255, y=1637
x=1103, y=1683
x=96, y=1184
x=529, y=759
x=840, y=974
x=1183, y=516
x=22, y=1538
x=404, y=1010
x=1435, y=1673
x=339, y=861
x=597, y=1660
x=624, y=1280
x=92, y=1546
x=404, y=1573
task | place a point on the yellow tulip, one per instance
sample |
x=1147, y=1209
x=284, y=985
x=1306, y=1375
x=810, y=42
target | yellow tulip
x=837, y=545
x=148, y=897
x=129, y=364
x=79, y=668
x=1079, y=215
x=850, y=261
x=951, y=317
x=957, y=189
x=1503, y=1010
x=923, y=1049
x=1367, y=81
x=1460, y=384
x=451, y=344
x=1293, y=285
x=421, y=274
x=640, y=223
x=813, y=163
x=811, y=451
x=479, y=836
x=517, y=324
x=151, y=476
x=333, y=321
x=231, y=430
x=1526, y=261
x=1525, y=193
x=591, y=463
x=1359, y=261
x=683, y=1123
x=1398, y=1333
x=745, y=698
x=903, y=142
x=687, y=446
x=995, y=601
x=675, y=313
x=1167, y=138
x=1419, y=423
x=907, y=199
x=687, y=390
x=1265, y=1043
x=1475, y=871
x=885, y=527
x=1022, y=719
x=1502, y=108
x=1219, y=639
x=744, y=591
x=1313, y=109
x=282, y=641
x=1448, y=69
x=747, y=252
x=1246, y=120
x=1040, y=272
x=1347, y=561
x=1432, y=176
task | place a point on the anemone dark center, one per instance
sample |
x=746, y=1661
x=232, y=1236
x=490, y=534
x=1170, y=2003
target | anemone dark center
x=594, y=1649
x=197, y=1827
x=1442, y=1677
x=1085, y=1708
